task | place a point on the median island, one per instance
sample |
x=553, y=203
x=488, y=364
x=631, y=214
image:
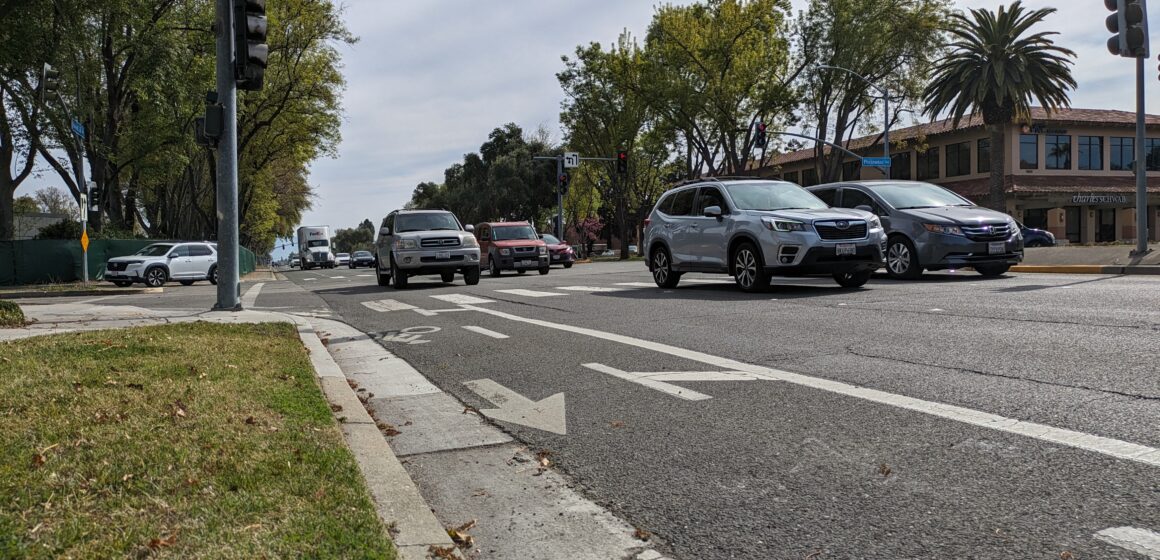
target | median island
x=184, y=441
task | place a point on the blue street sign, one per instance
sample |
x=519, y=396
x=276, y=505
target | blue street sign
x=875, y=162
x=78, y=128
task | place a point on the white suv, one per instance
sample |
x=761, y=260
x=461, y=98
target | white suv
x=161, y=262
x=752, y=229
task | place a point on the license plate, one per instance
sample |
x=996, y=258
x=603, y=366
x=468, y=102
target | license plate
x=847, y=249
x=443, y=255
x=555, y=257
x=996, y=248
x=527, y=263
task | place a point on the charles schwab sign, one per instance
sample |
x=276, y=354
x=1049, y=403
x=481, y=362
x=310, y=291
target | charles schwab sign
x=1099, y=199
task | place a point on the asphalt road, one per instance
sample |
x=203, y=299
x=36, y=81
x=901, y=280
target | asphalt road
x=810, y=420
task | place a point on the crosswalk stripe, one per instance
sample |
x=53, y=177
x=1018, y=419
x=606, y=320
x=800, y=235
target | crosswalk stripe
x=593, y=289
x=637, y=284
x=462, y=299
x=385, y=305
x=530, y=293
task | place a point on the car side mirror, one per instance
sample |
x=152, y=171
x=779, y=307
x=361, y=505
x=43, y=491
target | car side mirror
x=712, y=212
x=469, y=228
x=865, y=208
x=384, y=230
x=172, y=255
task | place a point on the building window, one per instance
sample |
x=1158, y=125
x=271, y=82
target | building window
x=809, y=178
x=1058, y=148
x=1123, y=154
x=1091, y=153
x=900, y=166
x=851, y=170
x=928, y=164
x=1152, y=153
x=984, y=156
x=791, y=177
x=1028, y=151
x=958, y=159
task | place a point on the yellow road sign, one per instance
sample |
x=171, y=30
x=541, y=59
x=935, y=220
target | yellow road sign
x=85, y=241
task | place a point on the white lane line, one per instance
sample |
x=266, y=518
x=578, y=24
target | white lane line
x=384, y=305
x=462, y=299
x=669, y=388
x=1079, y=440
x=338, y=277
x=591, y=289
x=434, y=312
x=365, y=275
x=251, y=295
x=96, y=299
x=530, y=293
x=1140, y=541
x=309, y=279
x=707, y=281
x=485, y=332
x=637, y=284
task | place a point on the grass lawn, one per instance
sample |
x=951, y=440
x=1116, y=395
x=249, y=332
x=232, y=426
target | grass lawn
x=183, y=441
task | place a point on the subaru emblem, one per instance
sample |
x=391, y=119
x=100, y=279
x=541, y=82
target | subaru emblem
x=843, y=224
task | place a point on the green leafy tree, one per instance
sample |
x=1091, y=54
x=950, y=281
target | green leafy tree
x=26, y=205
x=996, y=67
x=891, y=43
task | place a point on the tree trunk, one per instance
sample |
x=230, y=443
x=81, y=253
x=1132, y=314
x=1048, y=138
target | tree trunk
x=7, y=214
x=998, y=195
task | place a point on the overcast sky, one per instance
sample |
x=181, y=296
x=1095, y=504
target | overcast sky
x=429, y=80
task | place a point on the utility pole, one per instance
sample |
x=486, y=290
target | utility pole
x=228, y=288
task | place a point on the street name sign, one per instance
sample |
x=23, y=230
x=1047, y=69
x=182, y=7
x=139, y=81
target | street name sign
x=875, y=162
x=78, y=129
x=571, y=159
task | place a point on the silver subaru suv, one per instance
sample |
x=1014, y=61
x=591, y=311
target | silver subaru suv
x=414, y=242
x=753, y=229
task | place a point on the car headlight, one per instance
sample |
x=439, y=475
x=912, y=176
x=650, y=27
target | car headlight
x=543, y=250
x=775, y=224
x=943, y=229
x=505, y=251
x=134, y=262
x=470, y=242
x=405, y=244
x=874, y=222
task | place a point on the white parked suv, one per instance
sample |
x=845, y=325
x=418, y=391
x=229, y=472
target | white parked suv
x=753, y=229
x=161, y=262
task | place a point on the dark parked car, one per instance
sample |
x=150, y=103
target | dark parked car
x=558, y=251
x=1033, y=237
x=361, y=258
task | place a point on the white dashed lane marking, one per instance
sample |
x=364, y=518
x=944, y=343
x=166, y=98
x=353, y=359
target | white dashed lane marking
x=530, y=293
x=485, y=332
x=1140, y=541
x=462, y=299
x=590, y=289
x=385, y=305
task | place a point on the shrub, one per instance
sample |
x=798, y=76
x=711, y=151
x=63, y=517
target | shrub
x=10, y=315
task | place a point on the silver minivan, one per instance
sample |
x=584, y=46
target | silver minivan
x=931, y=228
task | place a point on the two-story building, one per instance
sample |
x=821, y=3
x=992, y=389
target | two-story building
x=1069, y=172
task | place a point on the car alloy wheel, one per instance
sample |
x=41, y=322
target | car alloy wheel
x=155, y=277
x=898, y=259
x=213, y=275
x=661, y=268
x=745, y=266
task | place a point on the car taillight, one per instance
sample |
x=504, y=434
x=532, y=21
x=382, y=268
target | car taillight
x=646, y=221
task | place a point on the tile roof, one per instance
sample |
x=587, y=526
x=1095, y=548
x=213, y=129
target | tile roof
x=1097, y=117
x=1054, y=184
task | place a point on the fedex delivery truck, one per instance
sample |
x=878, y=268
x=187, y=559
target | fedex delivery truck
x=314, y=247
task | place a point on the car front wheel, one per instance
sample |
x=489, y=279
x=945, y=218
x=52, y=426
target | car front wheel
x=902, y=260
x=398, y=277
x=471, y=276
x=493, y=268
x=662, y=266
x=213, y=275
x=748, y=269
x=447, y=277
x=156, y=277
x=383, y=279
x=852, y=279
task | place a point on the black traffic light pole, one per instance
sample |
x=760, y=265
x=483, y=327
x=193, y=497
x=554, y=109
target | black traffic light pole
x=1129, y=22
x=559, y=186
x=228, y=287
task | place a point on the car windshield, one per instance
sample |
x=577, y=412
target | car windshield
x=317, y=243
x=772, y=196
x=507, y=233
x=155, y=250
x=905, y=196
x=362, y=254
x=343, y=254
x=551, y=239
x=425, y=222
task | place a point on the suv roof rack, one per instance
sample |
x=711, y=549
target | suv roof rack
x=706, y=178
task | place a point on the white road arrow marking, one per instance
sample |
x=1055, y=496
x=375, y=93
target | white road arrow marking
x=1140, y=541
x=656, y=380
x=514, y=408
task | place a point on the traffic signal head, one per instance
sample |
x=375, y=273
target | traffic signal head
x=564, y=182
x=759, y=138
x=1129, y=22
x=250, y=47
x=49, y=81
x=622, y=161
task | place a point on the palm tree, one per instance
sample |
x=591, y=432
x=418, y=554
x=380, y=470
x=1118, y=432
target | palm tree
x=993, y=69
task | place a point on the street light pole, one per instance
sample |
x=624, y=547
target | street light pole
x=885, y=108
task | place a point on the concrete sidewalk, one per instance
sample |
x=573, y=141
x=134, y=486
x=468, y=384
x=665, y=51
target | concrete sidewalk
x=1089, y=259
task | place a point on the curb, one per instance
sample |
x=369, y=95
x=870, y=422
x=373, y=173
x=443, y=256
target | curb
x=413, y=527
x=1088, y=269
x=77, y=293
